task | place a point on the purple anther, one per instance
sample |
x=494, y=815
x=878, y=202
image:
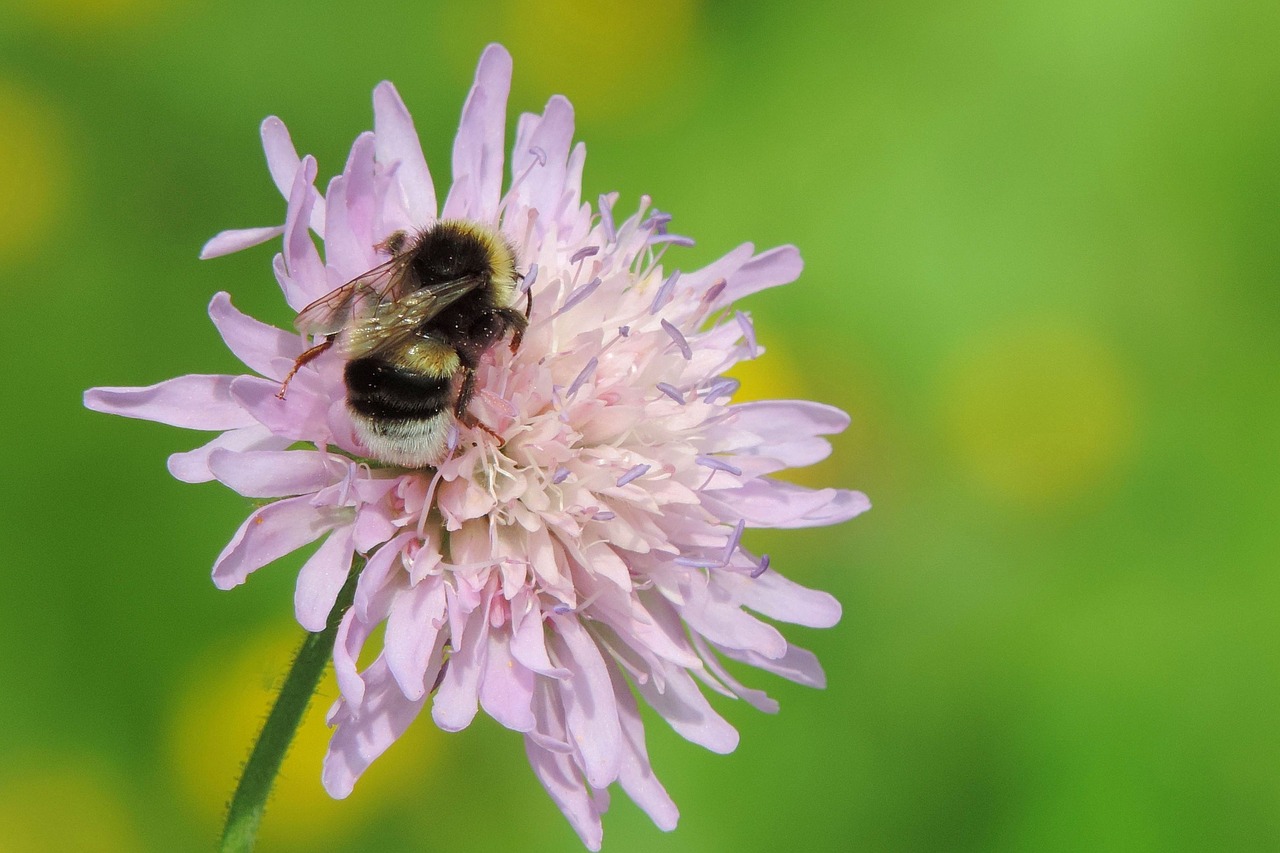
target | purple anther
x=561, y=474
x=582, y=377
x=562, y=609
x=679, y=340
x=734, y=540
x=657, y=220
x=714, y=291
x=606, y=218
x=454, y=437
x=673, y=239
x=762, y=568
x=718, y=464
x=632, y=472
x=722, y=387
x=604, y=516
x=584, y=253
x=529, y=278
x=671, y=391
x=748, y=332
x=625, y=331
x=539, y=155
x=663, y=296
x=579, y=294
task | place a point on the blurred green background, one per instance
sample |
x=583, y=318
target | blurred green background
x=1043, y=258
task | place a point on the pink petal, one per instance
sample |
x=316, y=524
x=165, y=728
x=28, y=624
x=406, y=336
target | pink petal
x=359, y=200
x=321, y=579
x=300, y=416
x=275, y=473
x=235, y=240
x=773, y=503
x=774, y=596
x=528, y=646
x=306, y=272
x=416, y=617
x=506, y=688
x=346, y=255
x=710, y=611
x=551, y=135
x=767, y=269
x=798, y=665
x=635, y=774
x=192, y=466
x=271, y=532
x=282, y=157
x=758, y=699
x=365, y=733
x=263, y=348
x=590, y=711
x=783, y=429
x=283, y=162
x=194, y=401
x=564, y=785
x=347, y=645
x=373, y=593
x=478, y=148
x=682, y=705
x=398, y=148
x=455, y=704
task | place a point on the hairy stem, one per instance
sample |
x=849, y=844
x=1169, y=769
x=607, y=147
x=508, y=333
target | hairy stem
x=250, y=799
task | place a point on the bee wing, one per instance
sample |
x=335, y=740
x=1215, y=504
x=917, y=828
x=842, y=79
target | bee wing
x=399, y=322
x=334, y=311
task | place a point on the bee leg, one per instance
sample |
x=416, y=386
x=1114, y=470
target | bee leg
x=393, y=244
x=465, y=393
x=517, y=321
x=302, y=360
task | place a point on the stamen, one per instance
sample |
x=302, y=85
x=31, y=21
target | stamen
x=663, y=296
x=734, y=540
x=722, y=387
x=529, y=278
x=540, y=156
x=679, y=340
x=561, y=474
x=657, y=220
x=718, y=464
x=632, y=473
x=671, y=239
x=584, y=253
x=604, y=516
x=625, y=331
x=714, y=291
x=454, y=435
x=748, y=332
x=698, y=563
x=582, y=377
x=606, y=218
x=762, y=568
x=579, y=294
x=671, y=391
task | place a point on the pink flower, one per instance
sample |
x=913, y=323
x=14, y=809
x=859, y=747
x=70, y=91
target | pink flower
x=592, y=555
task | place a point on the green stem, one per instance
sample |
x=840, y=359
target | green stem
x=250, y=798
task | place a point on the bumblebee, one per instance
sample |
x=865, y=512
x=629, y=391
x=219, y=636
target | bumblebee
x=413, y=331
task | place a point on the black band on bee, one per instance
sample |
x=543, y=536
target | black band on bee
x=381, y=390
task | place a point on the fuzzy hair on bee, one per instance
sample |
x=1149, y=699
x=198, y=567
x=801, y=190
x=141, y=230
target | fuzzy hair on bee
x=413, y=331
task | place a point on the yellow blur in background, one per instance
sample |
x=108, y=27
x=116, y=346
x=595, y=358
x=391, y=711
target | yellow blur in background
x=1042, y=267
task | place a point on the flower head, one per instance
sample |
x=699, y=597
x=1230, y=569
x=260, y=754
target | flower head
x=584, y=546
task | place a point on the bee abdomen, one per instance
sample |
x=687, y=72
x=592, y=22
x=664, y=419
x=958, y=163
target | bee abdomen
x=384, y=391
